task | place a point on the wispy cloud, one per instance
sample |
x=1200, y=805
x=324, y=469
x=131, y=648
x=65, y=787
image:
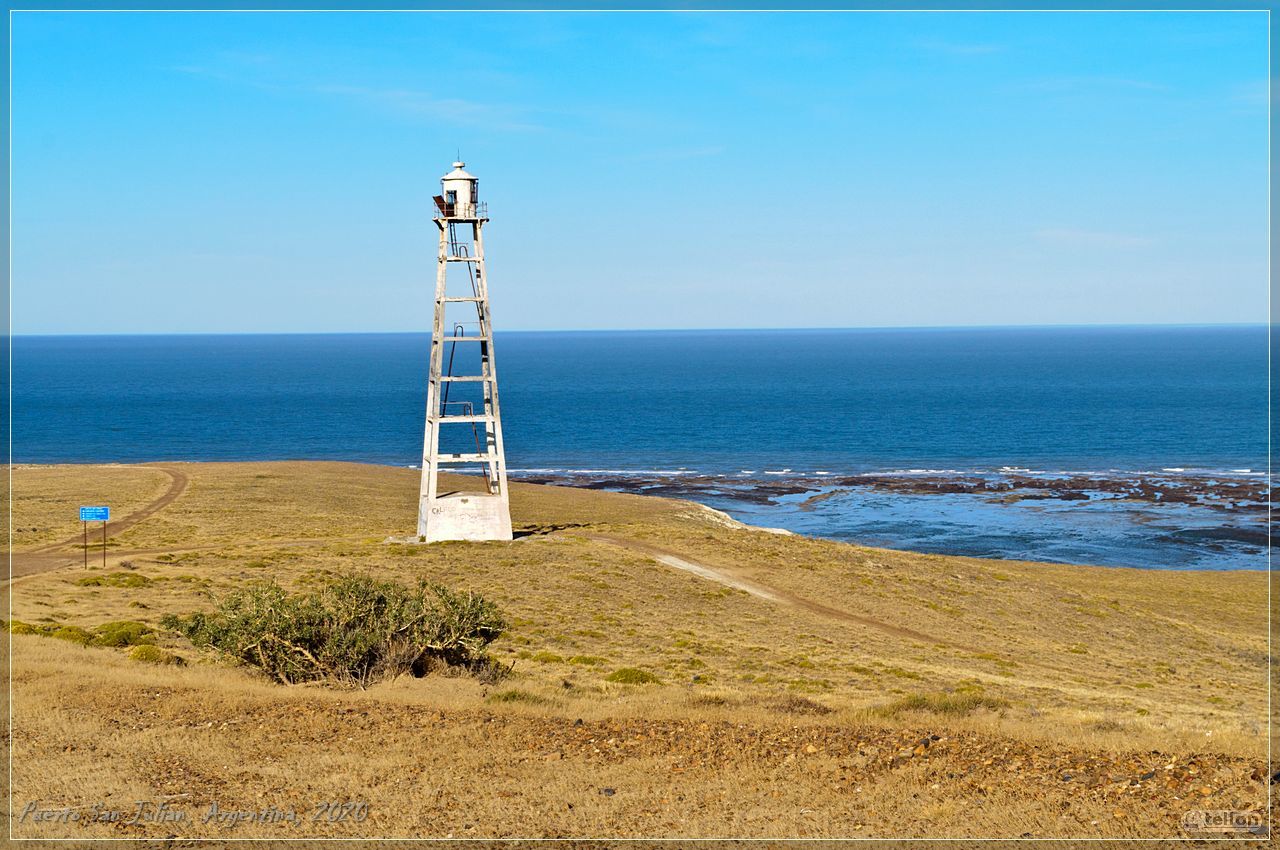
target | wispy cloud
x=959, y=48
x=262, y=71
x=423, y=104
x=672, y=154
x=1073, y=84
x=214, y=73
x=1076, y=238
x=1254, y=93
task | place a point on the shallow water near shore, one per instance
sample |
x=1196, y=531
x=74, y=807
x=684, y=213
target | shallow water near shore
x=1120, y=446
x=1162, y=521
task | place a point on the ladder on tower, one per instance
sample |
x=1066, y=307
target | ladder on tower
x=460, y=252
x=448, y=379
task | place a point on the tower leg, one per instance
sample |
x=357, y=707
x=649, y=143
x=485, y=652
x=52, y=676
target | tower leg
x=431, y=438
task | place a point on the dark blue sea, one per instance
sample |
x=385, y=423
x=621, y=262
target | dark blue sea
x=1134, y=446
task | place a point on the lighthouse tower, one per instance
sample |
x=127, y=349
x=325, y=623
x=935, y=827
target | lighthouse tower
x=464, y=426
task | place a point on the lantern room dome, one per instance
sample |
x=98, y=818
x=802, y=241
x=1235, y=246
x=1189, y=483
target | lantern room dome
x=458, y=173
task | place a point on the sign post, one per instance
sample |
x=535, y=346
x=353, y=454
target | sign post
x=95, y=513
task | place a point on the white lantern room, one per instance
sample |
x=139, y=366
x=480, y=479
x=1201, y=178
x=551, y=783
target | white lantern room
x=459, y=190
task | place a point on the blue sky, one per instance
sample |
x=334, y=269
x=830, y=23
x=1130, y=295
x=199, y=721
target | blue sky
x=274, y=172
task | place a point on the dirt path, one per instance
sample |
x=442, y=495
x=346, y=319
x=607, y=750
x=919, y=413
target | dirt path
x=178, y=481
x=53, y=555
x=763, y=591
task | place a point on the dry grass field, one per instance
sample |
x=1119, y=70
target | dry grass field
x=796, y=687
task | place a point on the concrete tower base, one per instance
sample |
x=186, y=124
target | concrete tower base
x=465, y=516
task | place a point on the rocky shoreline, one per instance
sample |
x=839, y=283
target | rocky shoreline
x=1247, y=495
x=1198, y=519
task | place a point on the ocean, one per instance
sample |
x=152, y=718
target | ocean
x=1125, y=446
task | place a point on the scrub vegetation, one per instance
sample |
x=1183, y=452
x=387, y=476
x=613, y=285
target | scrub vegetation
x=354, y=630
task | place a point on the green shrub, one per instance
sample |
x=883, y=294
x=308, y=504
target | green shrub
x=547, y=658
x=75, y=634
x=120, y=633
x=516, y=695
x=154, y=655
x=631, y=676
x=352, y=630
x=956, y=704
x=115, y=580
x=901, y=674
x=123, y=633
x=792, y=704
x=587, y=660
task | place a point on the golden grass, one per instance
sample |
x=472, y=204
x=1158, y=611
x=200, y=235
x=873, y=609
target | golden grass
x=1087, y=659
x=428, y=761
x=47, y=498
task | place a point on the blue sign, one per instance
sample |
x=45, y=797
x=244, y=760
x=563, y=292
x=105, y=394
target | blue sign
x=94, y=513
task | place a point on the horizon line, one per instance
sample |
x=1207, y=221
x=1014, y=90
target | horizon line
x=427, y=332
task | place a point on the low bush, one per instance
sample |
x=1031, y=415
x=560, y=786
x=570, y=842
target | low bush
x=792, y=704
x=120, y=633
x=354, y=630
x=547, y=658
x=75, y=634
x=956, y=704
x=632, y=676
x=123, y=633
x=154, y=655
x=115, y=580
x=517, y=695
